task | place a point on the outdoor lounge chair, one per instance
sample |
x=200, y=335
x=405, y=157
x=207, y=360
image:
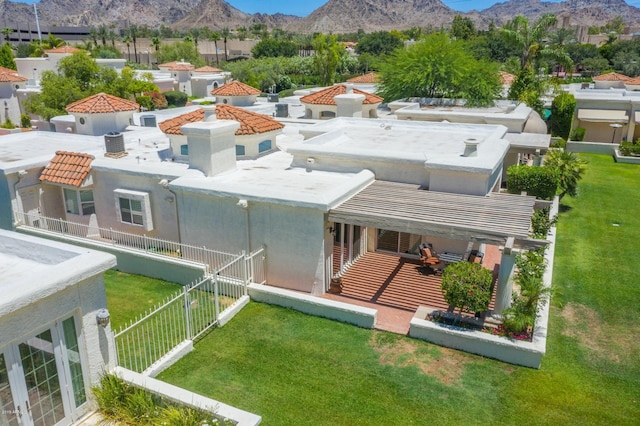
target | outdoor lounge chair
x=427, y=256
x=476, y=256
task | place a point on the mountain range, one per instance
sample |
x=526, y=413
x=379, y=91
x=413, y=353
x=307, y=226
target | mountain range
x=337, y=16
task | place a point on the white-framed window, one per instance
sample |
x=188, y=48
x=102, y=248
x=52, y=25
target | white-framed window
x=78, y=201
x=134, y=208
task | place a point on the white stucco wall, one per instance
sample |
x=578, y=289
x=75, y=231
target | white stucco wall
x=239, y=101
x=162, y=202
x=100, y=124
x=47, y=281
x=294, y=236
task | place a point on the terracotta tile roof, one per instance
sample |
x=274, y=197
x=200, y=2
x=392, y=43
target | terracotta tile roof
x=612, y=76
x=63, y=49
x=633, y=81
x=208, y=69
x=251, y=123
x=168, y=64
x=67, y=168
x=9, y=70
x=506, y=77
x=325, y=97
x=235, y=88
x=102, y=103
x=181, y=66
x=6, y=77
x=371, y=77
x=172, y=126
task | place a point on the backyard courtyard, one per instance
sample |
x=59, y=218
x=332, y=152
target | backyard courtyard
x=291, y=368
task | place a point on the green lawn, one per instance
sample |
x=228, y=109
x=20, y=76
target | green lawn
x=129, y=296
x=294, y=369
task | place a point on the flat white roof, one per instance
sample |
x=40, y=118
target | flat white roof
x=271, y=179
x=437, y=145
x=33, y=268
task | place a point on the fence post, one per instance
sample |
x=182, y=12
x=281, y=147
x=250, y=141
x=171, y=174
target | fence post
x=144, y=242
x=246, y=273
x=187, y=311
x=216, y=294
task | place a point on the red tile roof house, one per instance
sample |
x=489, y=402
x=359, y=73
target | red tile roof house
x=236, y=93
x=101, y=113
x=340, y=100
x=10, y=83
x=256, y=135
x=610, y=80
x=181, y=73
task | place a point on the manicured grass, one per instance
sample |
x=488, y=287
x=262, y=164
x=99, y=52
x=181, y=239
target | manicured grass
x=295, y=369
x=129, y=296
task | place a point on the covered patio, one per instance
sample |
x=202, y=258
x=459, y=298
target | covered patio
x=499, y=222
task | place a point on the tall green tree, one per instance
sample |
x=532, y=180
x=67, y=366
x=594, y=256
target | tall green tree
x=6, y=57
x=438, y=67
x=328, y=53
x=379, y=43
x=570, y=169
x=463, y=28
x=271, y=48
x=180, y=50
x=6, y=32
x=133, y=33
x=562, y=109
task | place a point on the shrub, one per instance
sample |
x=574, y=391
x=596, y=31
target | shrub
x=562, y=109
x=630, y=148
x=145, y=102
x=8, y=124
x=521, y=315
x=569, y=168
x=558, y=142
x=541, y=223
x=158, y=99
x=541, y=182
x=122, y=403
x=25, y=121
x=176, y=99
x=578, y=134
x=467, y=286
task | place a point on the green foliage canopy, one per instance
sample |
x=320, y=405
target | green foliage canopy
x=438, y=67
x=569, y=167
x=379, y=43
x=562, y=109
x=467, y=286
x=541, y=182
x=271, y=48
x=178, y=51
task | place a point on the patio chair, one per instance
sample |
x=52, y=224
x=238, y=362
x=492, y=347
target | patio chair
x=476, y=256
x=427, y=256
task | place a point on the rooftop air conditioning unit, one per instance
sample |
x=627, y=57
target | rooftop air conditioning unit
x=148, y=120
x=114, y=144
x=282, y=110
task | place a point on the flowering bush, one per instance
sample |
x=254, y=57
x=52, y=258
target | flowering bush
x=467, y=286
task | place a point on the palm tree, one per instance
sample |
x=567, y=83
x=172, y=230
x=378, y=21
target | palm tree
x=6, y=32
x=103, y=33
x=225, y=34
x=133, y=35
x=195, y=35
x=570, y=169
x=214, y=36
x=127, y=41
x=155, y=41
x=530, y=40
x=112, y=35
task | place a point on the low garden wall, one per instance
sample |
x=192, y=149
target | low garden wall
x=312, y=305
x=625, y=159
x=592, y=147
x=528, y=354
x=188, y=398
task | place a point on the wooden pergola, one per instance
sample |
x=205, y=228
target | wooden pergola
x=497, y=219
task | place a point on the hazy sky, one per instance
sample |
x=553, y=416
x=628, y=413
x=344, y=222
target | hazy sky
x=305, y=7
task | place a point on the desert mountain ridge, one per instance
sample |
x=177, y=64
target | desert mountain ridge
x=337, y=16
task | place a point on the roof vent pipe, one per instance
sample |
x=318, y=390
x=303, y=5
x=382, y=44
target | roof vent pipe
x=349, y=88
x=471, y=147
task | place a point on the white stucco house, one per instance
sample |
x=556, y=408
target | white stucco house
x=438, y=182
x=256, y=135
x=236, y=93
x=102, y=113
x=55, y=340
x=10, y=84
x=340, y=100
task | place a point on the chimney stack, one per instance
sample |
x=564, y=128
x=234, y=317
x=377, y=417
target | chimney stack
x=212, y=145
x=471, y=147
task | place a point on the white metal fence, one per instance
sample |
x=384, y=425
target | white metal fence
x=214, y=259
x=186, y=315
